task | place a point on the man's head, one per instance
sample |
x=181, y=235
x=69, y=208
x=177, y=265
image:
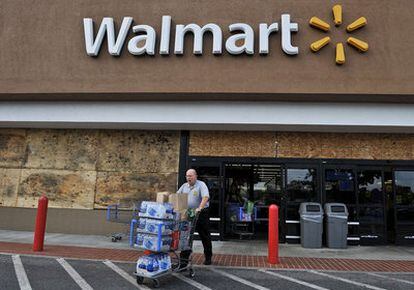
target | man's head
x=191, y=176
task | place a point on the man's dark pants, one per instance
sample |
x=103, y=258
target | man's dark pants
x=203, y=229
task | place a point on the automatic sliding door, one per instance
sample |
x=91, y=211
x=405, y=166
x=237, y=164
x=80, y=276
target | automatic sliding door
x=371, y=207
x=300, y=187
x=340, y=187
x=404, y=206
x=211, y=175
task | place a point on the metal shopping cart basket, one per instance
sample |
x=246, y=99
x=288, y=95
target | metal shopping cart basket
x=177, y=264
x=122, y=213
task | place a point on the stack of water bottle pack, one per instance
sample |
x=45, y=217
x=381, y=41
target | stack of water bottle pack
x=155, y=226
x=162, y=227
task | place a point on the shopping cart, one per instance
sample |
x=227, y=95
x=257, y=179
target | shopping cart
x=123, y=213
x=177, y=264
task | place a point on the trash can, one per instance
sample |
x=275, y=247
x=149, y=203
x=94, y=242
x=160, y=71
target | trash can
x=311, y=224
x=336, y=225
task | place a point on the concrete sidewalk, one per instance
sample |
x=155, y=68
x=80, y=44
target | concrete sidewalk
x=244, y=247
x=229, y=254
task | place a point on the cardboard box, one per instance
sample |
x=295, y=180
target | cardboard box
x=179, y=201
x=162, y=196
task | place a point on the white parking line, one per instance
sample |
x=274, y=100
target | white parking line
x=124, y=275
x=391, y=278
x=238, y=279
x=191, y=282
x=293, y=280
x=75, y=275
x=21, y=273
x=346, y=280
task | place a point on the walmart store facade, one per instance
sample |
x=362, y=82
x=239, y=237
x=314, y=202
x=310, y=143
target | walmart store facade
x=108, y=101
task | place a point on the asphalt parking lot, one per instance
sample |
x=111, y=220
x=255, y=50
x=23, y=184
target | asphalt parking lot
x=29, y=272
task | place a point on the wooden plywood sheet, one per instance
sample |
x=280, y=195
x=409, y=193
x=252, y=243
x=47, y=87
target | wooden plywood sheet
x=127, y=187
x=66, y=189
x=9, y=180
x=303, y=145
x=140, y=151
x=62, y=149
x=12, y=148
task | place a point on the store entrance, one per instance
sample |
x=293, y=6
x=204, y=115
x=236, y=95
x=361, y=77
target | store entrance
x=379, y=197
x=249, y=190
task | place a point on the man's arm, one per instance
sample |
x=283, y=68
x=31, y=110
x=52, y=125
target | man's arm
x=205, y=196
x=203, y=203
x=180, y=190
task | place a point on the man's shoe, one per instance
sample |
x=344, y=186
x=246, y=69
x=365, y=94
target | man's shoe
x=207, y=262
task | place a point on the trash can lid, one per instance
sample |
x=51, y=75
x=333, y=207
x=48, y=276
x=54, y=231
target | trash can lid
x=336, y=209
x=310, y=208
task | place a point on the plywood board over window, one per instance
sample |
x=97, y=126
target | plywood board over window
x=302, y=145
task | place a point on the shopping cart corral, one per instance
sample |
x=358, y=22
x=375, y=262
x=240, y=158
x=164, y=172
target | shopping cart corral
x=163, y=234
x=123, y=213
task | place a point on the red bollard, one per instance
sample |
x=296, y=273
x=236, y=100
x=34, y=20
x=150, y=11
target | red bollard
x=273, y=243
x=39, y=235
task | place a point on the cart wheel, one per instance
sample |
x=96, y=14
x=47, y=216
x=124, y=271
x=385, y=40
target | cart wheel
x=114, y=239
x=156, y=283
x=140, y=280
x=119, y=238
x=191, y=273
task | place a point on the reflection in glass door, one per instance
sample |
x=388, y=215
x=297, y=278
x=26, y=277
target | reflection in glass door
x=371, y=207
x=211, y=175
x=404, y=206
x=300, y=187
x=258, y=184
x=340, y=187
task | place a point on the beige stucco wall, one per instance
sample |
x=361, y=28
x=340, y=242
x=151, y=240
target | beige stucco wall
x=85, y=169
x=303, y=145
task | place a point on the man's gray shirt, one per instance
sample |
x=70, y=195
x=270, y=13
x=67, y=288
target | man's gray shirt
x=195, y=193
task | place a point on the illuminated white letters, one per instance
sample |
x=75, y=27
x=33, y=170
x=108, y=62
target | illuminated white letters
x=107, y=25
x=181, y=30
x=264, y=32
x=247, y=37
x=165, y=35
x=287, y=28
x=149, y=39
x=241, y=41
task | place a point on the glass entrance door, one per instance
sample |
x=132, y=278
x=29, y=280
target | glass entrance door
x=251, y=187
x=301, y=186
x=211, y=174
x=404, y=206
x=371, y=209
x=340, y=186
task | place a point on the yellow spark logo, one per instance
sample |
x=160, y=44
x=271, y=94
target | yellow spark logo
x=337, y=17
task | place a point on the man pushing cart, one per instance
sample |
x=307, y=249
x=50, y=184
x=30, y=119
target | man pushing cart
x=166, y=230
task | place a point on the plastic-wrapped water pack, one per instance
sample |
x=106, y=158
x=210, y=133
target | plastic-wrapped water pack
x=153, y=264
x=154, y=226
x=156, y=210
x=156, y=243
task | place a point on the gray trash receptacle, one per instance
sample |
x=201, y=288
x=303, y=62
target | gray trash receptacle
x=336, y=225
x=311, y=224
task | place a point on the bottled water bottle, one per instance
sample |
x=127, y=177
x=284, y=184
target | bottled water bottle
x=155, y=264
x=141, y=224
x=150, y=265
x=140, y=240
x=143, y=208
